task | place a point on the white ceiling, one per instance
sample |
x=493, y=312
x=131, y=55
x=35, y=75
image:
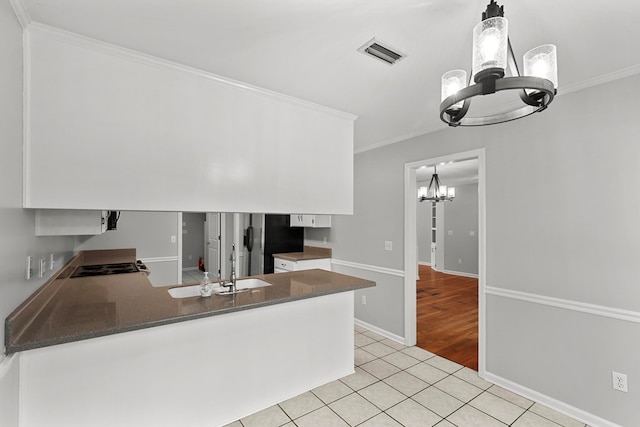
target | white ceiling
x=451, y=173
x=308, y=48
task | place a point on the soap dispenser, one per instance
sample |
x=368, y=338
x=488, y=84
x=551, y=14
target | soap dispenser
x=205, y=286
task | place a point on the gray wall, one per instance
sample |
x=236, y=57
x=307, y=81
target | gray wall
x=461, y=218
x=150, y=233
x=192, y=238
x=458, y=217
x=558, y=185
x=17, y=226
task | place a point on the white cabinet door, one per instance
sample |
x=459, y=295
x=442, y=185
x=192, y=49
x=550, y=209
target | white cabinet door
x=323, y=263
x=54, y=222
x=312, y=221
x=299, y=220
x=282, y=265
x=117, y=129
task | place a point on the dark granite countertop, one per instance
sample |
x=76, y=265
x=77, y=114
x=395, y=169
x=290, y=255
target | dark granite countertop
x=309, y=252
x=71, y=309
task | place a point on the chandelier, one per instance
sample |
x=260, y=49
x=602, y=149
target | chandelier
x=492, y=56
x=436, y=192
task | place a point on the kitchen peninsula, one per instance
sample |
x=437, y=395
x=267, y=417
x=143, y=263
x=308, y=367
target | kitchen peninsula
x=158, y=360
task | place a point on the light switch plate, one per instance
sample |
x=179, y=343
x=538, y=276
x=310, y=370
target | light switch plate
x=29, y=267
x=43, y=268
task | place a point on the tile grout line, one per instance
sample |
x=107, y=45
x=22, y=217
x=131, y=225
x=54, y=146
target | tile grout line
x=524, y=407
x=449, y=374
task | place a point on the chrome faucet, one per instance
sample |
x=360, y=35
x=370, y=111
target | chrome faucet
x=231, y=284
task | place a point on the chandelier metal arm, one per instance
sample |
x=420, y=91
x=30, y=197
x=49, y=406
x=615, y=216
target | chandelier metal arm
x=435, y=185
x=544, y=86
x=489, y=75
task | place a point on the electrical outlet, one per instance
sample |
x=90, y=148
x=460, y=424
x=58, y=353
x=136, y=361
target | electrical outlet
x=619, y=381
x=364, y=300
x=459, y=260
x=52, y=262
x=29, y=267
x=388, y=245
x=173, y=239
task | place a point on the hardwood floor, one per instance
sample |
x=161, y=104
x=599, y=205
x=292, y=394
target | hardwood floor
x=447, y=315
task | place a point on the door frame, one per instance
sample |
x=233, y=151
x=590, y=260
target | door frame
x=410, y=248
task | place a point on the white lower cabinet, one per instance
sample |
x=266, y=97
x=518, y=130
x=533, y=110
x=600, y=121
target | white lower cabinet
x=55, y=222
x=283, y=265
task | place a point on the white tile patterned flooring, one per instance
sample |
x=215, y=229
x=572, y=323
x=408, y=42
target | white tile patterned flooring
x=396, y=385
x=193, y=276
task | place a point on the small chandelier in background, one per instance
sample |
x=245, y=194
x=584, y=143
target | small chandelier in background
x=436, y=192
x=492, y=54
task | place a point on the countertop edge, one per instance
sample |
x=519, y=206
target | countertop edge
x=15, y=348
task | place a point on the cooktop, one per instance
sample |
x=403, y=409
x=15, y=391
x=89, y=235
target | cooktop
x=105, y=269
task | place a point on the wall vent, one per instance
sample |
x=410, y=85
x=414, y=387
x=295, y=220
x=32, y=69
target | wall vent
x=381, y=51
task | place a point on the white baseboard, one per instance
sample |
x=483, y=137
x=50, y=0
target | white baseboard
x=383, y=270
x=380, y=331
x=556, y=405
x=190, y=269
x=459, y=273
x=428, y=264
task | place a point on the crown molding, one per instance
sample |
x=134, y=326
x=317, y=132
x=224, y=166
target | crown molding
x=21, y=13
x=134, y=55
x=596, y=81
x=400, y=138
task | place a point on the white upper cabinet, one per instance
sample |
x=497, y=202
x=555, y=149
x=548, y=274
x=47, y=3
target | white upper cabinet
x=52, y=222
x=110, y=129
x=312, y=221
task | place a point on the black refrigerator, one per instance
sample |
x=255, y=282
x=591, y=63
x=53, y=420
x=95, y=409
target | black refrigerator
x=279, y=237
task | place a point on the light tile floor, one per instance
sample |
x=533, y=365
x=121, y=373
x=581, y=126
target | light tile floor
x=396, y=386
x=193, y=276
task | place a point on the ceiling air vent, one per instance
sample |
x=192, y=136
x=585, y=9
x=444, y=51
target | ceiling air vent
x=381, y=52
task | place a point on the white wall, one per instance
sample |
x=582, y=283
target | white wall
x=560, y=189
x=17, y=226
x=460, y=219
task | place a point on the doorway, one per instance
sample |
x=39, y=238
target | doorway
x=411, y=247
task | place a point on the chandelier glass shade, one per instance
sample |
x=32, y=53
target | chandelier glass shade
x=436, y=192
x=493, y=58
